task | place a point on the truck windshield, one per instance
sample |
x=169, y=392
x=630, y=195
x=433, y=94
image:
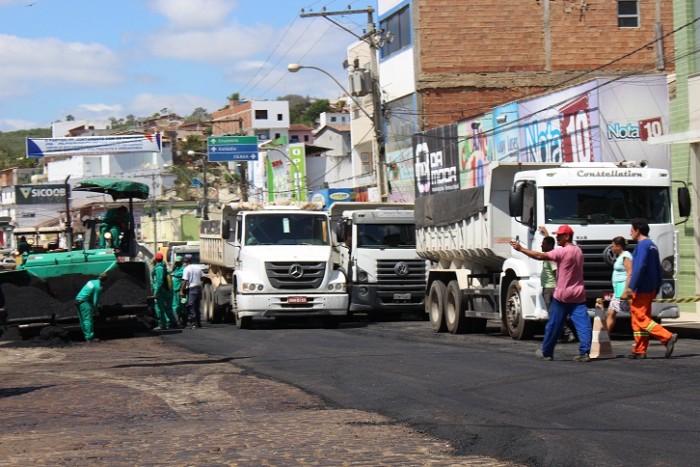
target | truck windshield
x=606, y=205
x=286, y=229
x=386, y=235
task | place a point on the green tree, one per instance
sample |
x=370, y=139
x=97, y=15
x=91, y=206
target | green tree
x=199, y=114
x=312, y=112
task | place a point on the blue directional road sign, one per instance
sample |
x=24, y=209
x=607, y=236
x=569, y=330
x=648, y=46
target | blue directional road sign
x=232, y=148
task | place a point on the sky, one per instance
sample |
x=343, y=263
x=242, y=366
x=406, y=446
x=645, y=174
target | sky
x=95, y=59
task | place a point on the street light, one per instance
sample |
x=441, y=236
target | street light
x=379, y=162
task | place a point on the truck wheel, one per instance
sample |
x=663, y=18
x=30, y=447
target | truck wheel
x=435, y=306
x=518, y=328
x=454, y=319
x=242, y=322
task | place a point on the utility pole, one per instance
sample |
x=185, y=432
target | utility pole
x=369, y=37
x=69, y=227
x=205, y=206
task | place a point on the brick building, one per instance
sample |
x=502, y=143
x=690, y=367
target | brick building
x=471, y=56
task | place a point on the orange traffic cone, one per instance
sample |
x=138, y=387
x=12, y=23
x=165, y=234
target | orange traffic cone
x=601, y=346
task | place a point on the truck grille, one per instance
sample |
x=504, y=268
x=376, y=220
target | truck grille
x=389, y=281
x=295, y=275
x=597, y=272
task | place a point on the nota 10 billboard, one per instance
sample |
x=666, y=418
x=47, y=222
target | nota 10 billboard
x=603, y=120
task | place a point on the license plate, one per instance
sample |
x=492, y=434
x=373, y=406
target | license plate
x=402, y=296
x=296, y=300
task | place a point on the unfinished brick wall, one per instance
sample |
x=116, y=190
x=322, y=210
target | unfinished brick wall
x=473, y=55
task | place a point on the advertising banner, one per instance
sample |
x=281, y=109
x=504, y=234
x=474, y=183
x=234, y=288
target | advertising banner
x=475, y=146
x=561, y=127
x=91, y=145
x=286, y=172
x=435, y=156
x=400, y=175
x=40, y=194
x=506, y=134
x=631, y=111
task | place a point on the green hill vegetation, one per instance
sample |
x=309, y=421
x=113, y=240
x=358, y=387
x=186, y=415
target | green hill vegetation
x=13, y=147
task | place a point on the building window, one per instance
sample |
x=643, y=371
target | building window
x=263, y=136
x=295, y=138
x=398, y=26
x=261, y=114
x=333, y=119
x=366, y=161
x=627, y=13
x=279, y=117
x=306, y=138
x=277, y=136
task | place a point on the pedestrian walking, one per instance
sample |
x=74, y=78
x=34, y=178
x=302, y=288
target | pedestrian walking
x=548, y=279
x=192, y=289
x=179, y=307
x=622, y=270
x=569, y=298
x=161, y=290
x=642, y=287
x=87, y=300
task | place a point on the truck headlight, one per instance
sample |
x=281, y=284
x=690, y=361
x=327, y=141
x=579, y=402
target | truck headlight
x=362, y=275
x=251, y=287
x=667, y=266
x=668, y=290
x=340, y=287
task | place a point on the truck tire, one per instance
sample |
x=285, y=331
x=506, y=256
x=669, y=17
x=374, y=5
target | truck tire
x=455, y=321
x=435, y=307
x=242, y=322
x=518, y=328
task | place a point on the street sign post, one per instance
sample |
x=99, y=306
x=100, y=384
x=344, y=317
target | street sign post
x=232, y=148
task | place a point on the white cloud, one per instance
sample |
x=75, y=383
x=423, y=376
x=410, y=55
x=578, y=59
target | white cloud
x=13, y=124
x=217, y=46
x=193, y=14
x=183, y=104
x=51, y=61
x=101, y=108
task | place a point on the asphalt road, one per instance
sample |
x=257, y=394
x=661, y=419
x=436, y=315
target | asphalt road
x=485, y=394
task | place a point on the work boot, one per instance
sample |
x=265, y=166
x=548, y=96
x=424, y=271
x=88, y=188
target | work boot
x=541, y=356
x=584, y=357
x=669, y=344
x=637, y=356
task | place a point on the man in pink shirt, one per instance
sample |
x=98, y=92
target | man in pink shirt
x=569, y=294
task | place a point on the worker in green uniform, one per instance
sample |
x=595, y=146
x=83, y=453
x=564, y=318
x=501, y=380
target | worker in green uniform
x=86, y=301
x=115, y=221
x=161, y=289
x=179, y=308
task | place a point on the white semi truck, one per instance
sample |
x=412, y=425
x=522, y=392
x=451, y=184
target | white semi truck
x=475, y=275
x=271, y=261
x=377, y=250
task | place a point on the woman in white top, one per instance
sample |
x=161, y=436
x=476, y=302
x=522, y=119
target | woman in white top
x=622, y=270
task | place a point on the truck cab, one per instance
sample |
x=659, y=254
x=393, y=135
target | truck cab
x=377, y=252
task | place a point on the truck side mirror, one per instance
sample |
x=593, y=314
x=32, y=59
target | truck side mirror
x=515, y=200
x=683, y=201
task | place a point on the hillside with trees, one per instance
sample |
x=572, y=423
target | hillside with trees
x=13, y=147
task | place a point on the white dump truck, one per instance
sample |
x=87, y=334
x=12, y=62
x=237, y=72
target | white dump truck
x=475, y=275
x=377, y=250
x=271, y=261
